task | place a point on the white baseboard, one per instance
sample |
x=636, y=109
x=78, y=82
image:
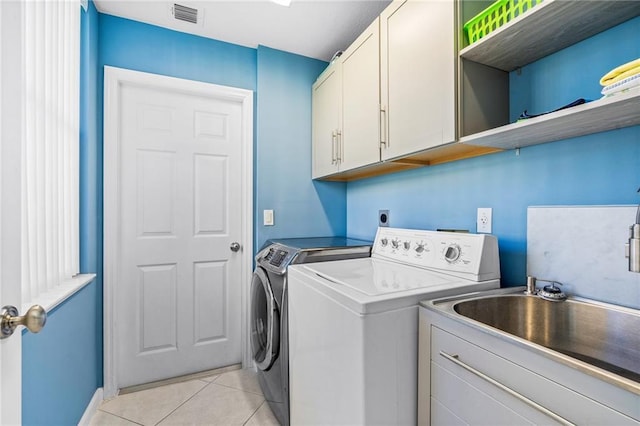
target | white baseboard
x=91, y=408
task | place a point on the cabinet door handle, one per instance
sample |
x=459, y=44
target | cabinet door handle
x=340, y=150
x=383, y=127
x=333, y=147
x=454, y=359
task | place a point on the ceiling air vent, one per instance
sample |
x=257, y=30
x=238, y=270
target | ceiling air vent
x=185, y=13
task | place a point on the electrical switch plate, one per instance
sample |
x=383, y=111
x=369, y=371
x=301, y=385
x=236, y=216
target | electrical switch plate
x=267, y=217
x=484, y=220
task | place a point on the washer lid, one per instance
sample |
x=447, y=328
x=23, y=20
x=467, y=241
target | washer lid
x=376, y=277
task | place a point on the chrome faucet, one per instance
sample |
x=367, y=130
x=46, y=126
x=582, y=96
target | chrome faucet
x=632, y=248
x=548, y=292
x=531, y=286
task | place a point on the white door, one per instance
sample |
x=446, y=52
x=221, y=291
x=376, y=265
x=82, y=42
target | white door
x=10, y=239
x=178, y=294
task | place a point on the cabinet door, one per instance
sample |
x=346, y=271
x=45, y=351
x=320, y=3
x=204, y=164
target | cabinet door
x=326, y=106
x=417, y=75
x=483, y=387
x=360, y=138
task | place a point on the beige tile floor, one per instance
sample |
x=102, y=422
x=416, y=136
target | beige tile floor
x=230, y=398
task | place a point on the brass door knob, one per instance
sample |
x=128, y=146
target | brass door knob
x=34, y=319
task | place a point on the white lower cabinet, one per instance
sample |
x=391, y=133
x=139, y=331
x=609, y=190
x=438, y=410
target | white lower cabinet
x=467, y=376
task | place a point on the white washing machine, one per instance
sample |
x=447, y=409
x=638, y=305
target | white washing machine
x=353, y=324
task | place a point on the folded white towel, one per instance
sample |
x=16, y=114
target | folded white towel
x=622, y=85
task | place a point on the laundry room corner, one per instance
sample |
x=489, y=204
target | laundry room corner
x=302, y=207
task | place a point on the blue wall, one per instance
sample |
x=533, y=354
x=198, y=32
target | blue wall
x=282, y=116
x=91, y=172
x=303, y=208
x=601, y=168
x=62, y=365
x=142, y=47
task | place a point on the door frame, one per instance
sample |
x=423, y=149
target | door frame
x=114, y=78
x=11, y=134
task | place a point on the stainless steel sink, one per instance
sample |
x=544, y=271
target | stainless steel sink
x=592, y=333
x=598, y=334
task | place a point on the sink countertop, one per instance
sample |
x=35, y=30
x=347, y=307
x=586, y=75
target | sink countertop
x=445, y=306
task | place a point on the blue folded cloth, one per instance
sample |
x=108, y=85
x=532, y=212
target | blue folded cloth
x=525, y=115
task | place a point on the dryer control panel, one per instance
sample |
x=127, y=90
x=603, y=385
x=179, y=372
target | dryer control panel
x=470, y=256
x=275, y=258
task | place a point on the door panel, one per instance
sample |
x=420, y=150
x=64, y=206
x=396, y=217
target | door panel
x=178, y=299
x=418, y=75
x=156, y=175
x=209, y=302
x=209, y=208
x=360, y=141
x=158, y=308
x=327, y=120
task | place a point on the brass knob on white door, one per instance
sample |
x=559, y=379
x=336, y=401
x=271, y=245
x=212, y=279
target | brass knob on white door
x=235, y=246
x=34, y=319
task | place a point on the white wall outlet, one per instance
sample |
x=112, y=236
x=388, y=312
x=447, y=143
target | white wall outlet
x=267, y=217
x=484, y=220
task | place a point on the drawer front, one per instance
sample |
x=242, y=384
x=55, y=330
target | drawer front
x=470, y=401
x=481, y=387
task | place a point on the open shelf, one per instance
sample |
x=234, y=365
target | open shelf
x=547, y=28
x=615, y=112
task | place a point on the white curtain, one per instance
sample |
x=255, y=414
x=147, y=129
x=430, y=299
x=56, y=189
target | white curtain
x=50, y=184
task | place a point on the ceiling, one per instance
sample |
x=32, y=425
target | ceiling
x=313, y=28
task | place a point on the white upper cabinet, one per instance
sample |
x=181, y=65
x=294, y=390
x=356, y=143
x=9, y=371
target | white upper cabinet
x=418, y=77
x=398, y=96
x=346, y=106
x=360, y=136
x=414, y=93
x=327, y=121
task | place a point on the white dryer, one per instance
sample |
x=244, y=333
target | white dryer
x=353, y=324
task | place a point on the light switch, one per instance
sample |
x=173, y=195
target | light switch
x=267, y=217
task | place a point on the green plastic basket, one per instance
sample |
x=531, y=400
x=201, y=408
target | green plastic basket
x=496, y=15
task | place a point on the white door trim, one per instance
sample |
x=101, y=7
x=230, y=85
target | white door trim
x=113, y=79
x=11, y=134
